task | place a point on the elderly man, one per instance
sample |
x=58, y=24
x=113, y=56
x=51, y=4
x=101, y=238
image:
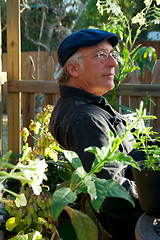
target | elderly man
x=82, y=116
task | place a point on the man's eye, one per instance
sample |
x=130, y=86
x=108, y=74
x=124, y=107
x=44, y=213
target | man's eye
x=102, y=55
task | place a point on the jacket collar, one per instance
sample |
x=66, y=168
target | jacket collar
x=79, y=94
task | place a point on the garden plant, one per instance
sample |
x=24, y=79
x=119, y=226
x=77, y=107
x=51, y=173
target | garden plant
x=132, y=57
x=52, y=180
x=147, y=178
x=152, y=152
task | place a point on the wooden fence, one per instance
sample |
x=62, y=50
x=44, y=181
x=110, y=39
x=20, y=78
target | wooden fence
x=29, y=87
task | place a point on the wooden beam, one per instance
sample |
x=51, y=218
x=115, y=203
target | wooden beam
x=1, y=106
x=14, y=73
x=138, y=90
x=32, y=86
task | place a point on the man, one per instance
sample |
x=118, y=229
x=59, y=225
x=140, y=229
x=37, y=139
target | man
x=82, y=116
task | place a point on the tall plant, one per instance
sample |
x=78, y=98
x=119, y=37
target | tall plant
x=131, y=57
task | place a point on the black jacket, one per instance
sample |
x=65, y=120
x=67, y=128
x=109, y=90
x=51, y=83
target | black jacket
x=81, y=119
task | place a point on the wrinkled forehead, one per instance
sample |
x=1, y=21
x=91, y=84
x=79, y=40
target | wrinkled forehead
x=93, y=49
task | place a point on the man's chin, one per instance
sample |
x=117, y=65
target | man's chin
x=110, y=87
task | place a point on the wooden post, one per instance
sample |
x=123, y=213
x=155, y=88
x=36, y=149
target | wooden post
x=49, y=76
x=1, y=114
x=3, y=78
x=134, y=79
x=14, y=73
x=28, y=98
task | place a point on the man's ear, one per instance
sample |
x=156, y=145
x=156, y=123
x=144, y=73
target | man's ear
x=72, y=69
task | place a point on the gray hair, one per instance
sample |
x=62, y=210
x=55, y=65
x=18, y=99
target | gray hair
x=63, y=75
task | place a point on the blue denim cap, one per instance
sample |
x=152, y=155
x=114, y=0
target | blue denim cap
x=83, y=38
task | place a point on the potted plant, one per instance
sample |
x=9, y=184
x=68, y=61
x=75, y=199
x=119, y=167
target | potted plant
x=147, y=178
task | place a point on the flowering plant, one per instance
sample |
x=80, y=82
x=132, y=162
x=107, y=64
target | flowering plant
x=32, y=173
x=27, y=171
x=30, y=209
x=131, y=57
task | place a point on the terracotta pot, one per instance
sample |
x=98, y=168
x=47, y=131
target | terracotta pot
x=148, y=187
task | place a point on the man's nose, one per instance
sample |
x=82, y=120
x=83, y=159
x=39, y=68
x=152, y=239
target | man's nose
x=112, y=61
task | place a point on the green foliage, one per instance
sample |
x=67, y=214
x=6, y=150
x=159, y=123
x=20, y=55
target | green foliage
x=61, y=198
x=152, y=152
x=131, y=57
x=147, y=141
x=90, y=17
x=29, y=217
x=52, y=21
x=38, y=213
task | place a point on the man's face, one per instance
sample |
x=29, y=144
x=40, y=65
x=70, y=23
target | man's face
x=97, y=76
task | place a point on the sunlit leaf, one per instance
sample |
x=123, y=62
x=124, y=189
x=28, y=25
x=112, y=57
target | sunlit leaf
x=97, y=190
x=77, y=177
x=73, y=158
x=11, y=224
x=61, y=198
x=125, y=160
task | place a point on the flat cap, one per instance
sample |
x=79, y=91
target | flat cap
x=83, y=38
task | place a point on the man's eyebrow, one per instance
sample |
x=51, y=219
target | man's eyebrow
x=105, y=50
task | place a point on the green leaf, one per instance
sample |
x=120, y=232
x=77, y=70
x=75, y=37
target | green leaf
x=96, y=166
x=5, y=159
x=125, y=160
x=100, y=152
x=83, y=187
x=149, y=65
x=114, y=189
x=126, y=54
x=135, y=51
x=97, y=190
x=84, y=226
x=11, y=224
x=34, y=235
x=61, y=198
x=77, y=178
x=141, y=51
x=73, y=158
x=21, y=237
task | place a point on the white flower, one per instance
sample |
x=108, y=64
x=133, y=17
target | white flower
x=142, y=21
x=21, y=200
x=1, y=187
x=36, y=234
x=158, y=2
x=147, y=2
x=35, y=184
x=34, y=174
x=156, y=21
x=108, y=2
x=115, y=9
x=139, y=19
